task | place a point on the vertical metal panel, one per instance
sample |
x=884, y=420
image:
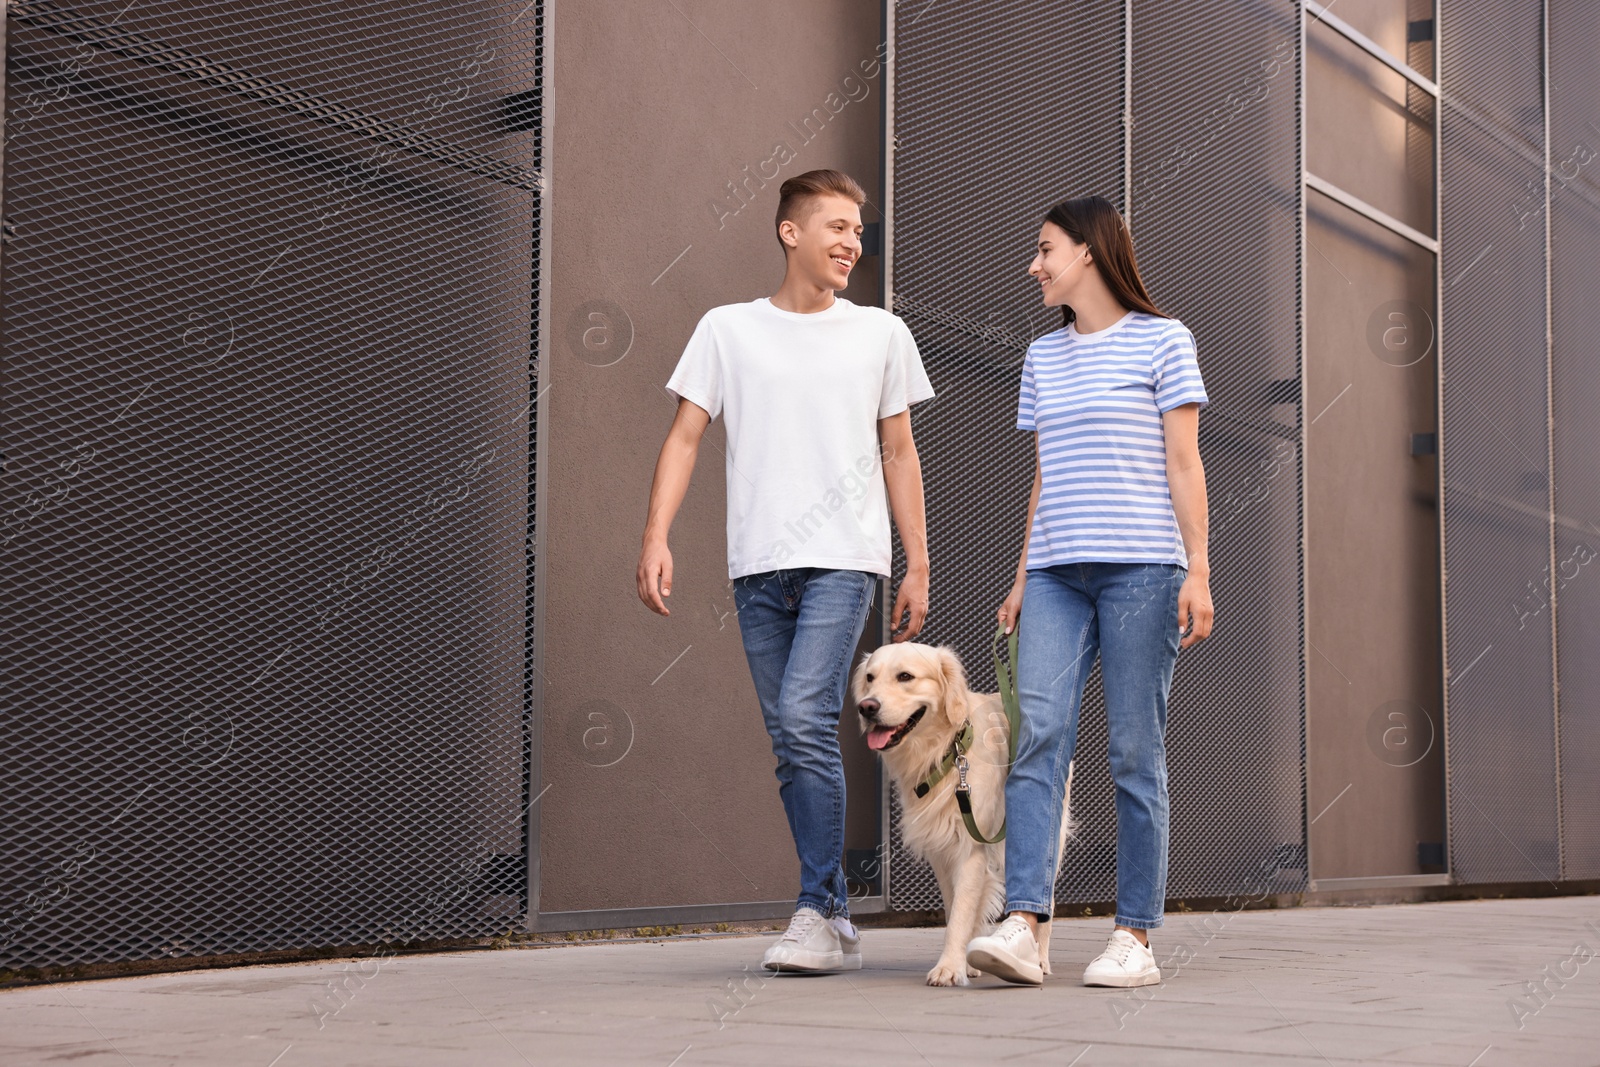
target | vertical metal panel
x=1370, y=131
x=1575, y=305
x=1375, y=761
x=1216, y=198
x=3, y=135
x=539, y=382
x=1500, y=711
x=653, y=120
x=1214, y=178
x=1000, y=111
x=267, y=311
x=1375, y=766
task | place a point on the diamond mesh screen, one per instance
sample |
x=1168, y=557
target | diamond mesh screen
x=1216, y=180
x=1500, y=728
x=984, y=145
x=268, y=308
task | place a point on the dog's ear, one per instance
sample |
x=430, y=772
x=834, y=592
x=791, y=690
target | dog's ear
x=956, y=704
x=858, y=680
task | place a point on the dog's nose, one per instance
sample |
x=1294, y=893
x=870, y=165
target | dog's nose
x=869, y=708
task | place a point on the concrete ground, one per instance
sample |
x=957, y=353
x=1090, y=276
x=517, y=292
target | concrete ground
x=1465, y=984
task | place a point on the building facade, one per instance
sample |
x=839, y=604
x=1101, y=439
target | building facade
x=333, y=341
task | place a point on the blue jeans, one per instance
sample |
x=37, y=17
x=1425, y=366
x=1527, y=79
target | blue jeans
x=800, y=629
x=1128, y=613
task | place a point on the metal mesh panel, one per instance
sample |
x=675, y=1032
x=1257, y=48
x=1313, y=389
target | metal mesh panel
x=1500, y=728
x=980, y=155
x=1216, y=179
x=268, y=297
x=1575, y=297
x=983, y=147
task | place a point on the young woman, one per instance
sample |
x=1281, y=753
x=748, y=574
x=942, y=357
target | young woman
x=1114, y=562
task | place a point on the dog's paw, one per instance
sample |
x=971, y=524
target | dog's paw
x=1044, y=965
x=946, y=974
x=973, y=972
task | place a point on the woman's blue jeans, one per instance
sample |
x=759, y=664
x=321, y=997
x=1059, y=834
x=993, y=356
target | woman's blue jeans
x=800, y=629
x=1128, y=613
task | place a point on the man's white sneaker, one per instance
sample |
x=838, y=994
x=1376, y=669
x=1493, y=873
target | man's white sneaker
x=849, y=942
x=1010, y=953
x=1125, y=962
x=812, y=945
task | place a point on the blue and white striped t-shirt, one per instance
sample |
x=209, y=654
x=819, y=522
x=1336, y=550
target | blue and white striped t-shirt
x=1096, y=400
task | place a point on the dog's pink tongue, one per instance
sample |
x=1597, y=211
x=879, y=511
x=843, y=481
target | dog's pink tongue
x=878, y=736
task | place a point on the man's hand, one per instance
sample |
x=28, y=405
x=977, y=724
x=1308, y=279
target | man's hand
x=1194, y=608
x=673, y=468
x=655, y=575
x=912, y=596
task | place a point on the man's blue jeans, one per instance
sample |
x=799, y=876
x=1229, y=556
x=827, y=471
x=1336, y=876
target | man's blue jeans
x=1128, y=613
x=800, y=629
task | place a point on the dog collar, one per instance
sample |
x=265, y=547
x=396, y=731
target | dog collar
x=958, y=748
x=1005, y=673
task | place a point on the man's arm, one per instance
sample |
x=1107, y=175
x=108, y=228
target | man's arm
x=902, y=477
x=1186, y=481
x=674, y=467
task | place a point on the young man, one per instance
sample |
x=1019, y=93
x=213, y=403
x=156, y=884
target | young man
x=815, y=393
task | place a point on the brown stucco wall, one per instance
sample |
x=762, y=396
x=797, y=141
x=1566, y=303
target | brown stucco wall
x=657, y=107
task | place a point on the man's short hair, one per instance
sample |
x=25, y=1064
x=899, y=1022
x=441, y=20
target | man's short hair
x=797, y=196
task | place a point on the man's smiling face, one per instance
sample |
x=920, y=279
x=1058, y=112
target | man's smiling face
x=827, y=241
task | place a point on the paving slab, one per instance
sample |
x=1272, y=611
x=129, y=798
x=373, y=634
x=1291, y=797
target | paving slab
x=1460, y=984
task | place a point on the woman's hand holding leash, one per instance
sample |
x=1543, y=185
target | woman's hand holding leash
x=1011, y=606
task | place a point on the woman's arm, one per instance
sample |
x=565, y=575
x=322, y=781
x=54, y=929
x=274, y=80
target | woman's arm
x=1186, y=481
x=1011, y=607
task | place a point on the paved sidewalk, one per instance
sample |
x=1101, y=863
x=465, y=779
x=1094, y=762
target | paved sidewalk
x=1407, y=984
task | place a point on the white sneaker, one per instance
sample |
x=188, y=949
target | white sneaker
x=1125, y=962
x=1010, y=953
x=814, y=945
x=849, y=941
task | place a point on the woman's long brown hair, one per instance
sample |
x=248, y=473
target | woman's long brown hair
x=1095, y=221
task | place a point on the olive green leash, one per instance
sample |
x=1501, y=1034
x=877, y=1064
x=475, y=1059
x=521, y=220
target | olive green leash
x=956, y=757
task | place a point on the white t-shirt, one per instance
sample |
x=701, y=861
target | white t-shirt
x=800, y=397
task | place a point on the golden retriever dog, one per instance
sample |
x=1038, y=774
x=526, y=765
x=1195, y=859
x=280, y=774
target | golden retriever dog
x=914, y=703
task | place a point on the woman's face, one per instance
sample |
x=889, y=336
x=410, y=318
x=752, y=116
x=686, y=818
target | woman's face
x=1060, y=266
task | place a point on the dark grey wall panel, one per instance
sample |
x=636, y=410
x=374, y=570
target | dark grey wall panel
x=984, y=146
x=1575, y=308
x=1500, y=725
x=1216, y=166
x=268, y=303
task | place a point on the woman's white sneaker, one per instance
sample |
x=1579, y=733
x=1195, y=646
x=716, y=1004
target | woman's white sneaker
x=1125, y=962
x=813, y=945
x=1010, y=953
